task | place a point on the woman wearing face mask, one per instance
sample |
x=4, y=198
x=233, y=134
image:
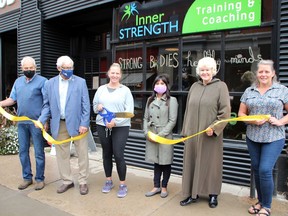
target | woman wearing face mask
x=160, y=118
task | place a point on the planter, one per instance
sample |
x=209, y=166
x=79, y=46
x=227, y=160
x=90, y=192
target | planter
x=8, y=134
x=9, y=140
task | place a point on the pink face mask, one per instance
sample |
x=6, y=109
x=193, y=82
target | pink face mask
x=160, y=89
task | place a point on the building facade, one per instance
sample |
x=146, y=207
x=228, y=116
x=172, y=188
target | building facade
x=148, y=38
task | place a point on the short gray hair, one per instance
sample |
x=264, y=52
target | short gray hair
x=28, y=58
x=208, y=62
x=64, y=59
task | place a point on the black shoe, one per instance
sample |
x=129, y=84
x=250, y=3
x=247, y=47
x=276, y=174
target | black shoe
x=213, y=201
x=188, y=200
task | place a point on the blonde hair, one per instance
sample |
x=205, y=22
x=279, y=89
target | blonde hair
x=117, y=65
x=208, y=62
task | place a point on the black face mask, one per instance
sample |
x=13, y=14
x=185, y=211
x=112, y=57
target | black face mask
x=29, y=73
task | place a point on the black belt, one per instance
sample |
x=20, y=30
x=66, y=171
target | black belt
x=62, y=119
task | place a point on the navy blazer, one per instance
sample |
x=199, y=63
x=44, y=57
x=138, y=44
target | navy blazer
x=77, y=110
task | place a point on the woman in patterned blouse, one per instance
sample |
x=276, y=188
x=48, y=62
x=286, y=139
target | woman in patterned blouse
x=265, y=139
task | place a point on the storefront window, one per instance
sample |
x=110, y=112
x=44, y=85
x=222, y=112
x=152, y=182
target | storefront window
x=243, y=51
x=131, y=62
x=141, y=68
x=130, y=58
x=193, y=50
x=163, y=57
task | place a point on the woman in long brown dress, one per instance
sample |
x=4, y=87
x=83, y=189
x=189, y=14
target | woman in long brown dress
x=207, y=102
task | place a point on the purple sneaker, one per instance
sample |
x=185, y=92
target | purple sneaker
x=107, y=187
x=122, y=192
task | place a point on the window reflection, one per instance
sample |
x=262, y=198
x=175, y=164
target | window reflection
x=243, y=50
x=131, y=62
x=188, y=77
x=163, y=59
x=247, y=79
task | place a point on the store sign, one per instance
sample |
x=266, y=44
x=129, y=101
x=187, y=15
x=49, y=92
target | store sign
x=9, y=5
x=137, y=21
x=169, y=18
x=214, y=15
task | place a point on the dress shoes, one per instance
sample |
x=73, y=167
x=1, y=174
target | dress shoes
x=189, y=200
x=83, y=189
x=152, y=193
x=213, y=201
x=164, y=194
x=64, y=187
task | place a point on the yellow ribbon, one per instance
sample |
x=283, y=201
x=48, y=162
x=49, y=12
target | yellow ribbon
x=46, y=136
x=165, y=141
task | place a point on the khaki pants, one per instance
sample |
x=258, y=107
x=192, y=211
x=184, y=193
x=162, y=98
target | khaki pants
x=63, y=157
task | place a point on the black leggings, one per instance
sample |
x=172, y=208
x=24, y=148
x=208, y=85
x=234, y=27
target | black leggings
x=158, y=170
x=113, y=143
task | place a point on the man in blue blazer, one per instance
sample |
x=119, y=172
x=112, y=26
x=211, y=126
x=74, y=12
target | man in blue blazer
x=67, y=104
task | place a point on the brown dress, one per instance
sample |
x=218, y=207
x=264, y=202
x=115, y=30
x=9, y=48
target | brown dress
x=203, y=155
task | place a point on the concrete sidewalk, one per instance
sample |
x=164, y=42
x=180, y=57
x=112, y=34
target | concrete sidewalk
x=234, y=200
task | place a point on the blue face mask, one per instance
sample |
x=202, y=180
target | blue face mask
x=67, y=73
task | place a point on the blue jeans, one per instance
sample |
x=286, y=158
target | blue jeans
x=25, y=132
x=263, y=158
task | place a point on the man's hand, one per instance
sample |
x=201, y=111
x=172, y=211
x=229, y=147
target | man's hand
x=38, y=124
x=82, y=130
x=46, y=126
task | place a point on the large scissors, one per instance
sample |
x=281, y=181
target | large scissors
x=108, y=116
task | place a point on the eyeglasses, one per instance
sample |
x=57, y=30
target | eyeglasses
x=67, y=68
